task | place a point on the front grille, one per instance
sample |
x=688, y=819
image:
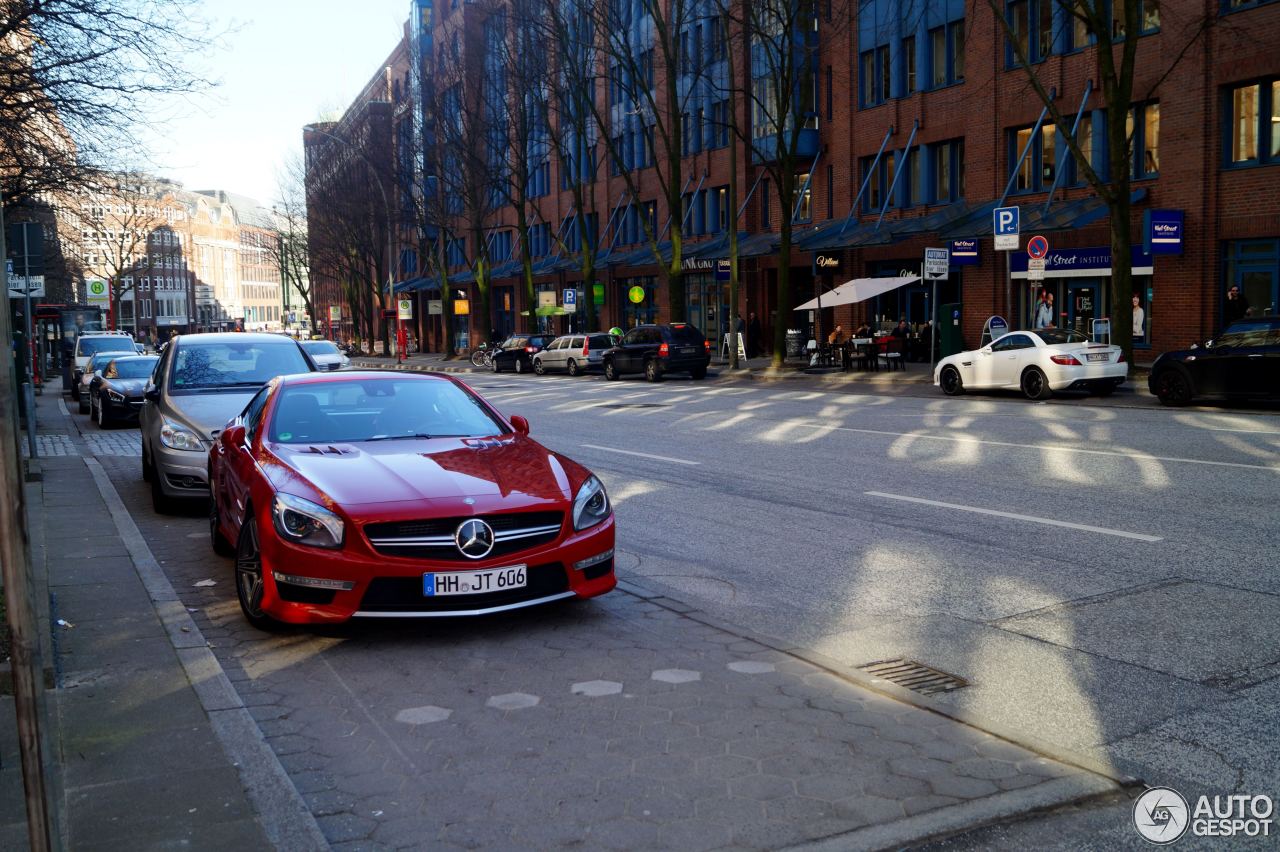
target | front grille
x=294, y=593
x=433, y=538
x=404, y=594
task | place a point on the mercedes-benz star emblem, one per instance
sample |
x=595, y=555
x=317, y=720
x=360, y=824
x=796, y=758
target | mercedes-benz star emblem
x=474, y=538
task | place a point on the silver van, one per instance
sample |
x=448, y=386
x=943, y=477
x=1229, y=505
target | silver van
x=573, y=354
x=201, y=382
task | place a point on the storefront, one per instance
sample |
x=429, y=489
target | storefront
x=707, y=301
x=1253, y=267
x=911, y=302
x=504, y=314
x=1076, y=290
x=639, y=299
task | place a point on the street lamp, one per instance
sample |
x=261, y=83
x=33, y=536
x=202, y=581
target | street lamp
x=373, y=170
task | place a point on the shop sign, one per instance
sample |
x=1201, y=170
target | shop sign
x=1081, y=262
x=697, y=264
x=723, y=269
x=546, y=298
x=435, y=307
x=636, y=294
x=1162, y=231
x=462, y=307
x=335, y=313
x=964, y=252
x=826, y=263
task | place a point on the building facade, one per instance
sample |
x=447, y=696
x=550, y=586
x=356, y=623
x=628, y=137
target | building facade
x=912, y=123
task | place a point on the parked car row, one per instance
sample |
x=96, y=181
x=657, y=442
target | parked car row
x=652, y=350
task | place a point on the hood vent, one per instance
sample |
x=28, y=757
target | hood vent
x=329, y=450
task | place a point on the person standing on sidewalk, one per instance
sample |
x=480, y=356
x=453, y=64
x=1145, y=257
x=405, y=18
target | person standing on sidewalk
x=1237, y=306
x=753, y=336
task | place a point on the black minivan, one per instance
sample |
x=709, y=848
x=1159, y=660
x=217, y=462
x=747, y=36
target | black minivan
x=656, y=350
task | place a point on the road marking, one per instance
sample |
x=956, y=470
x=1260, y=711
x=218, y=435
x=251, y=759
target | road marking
x=641, y=455
x=1057, y=448
x=1015, y=517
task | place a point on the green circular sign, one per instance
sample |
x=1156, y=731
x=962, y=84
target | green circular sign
x=636, y=294
x=98, y=288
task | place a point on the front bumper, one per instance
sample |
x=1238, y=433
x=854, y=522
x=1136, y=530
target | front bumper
x=1063, y=377
x=391, y=587
x=127, y=410
x=182, y=473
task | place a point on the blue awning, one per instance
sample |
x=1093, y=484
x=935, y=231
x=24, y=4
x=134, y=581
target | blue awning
x=1066, y=216
x=408, y=285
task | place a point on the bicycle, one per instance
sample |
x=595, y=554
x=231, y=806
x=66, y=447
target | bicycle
x=482, y=356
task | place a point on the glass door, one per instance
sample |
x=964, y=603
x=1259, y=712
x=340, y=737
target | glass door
x=1082, y=306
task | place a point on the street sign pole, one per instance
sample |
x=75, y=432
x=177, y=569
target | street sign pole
x=937, y=266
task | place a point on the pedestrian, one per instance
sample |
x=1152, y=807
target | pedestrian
x=836, y=336
x=1237, y=306
x=1139, y=318
x=754, y=333
x=1044, y=311
x=900, y=330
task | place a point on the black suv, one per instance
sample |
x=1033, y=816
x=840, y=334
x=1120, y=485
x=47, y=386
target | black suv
x=1241, y=363
x=656, y=350
x=517, y=352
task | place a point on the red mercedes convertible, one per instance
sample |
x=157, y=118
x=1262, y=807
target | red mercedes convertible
x=393, y=495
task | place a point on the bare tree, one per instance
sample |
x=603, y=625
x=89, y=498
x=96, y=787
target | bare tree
x=76, y=81
x=1112, y=32
x=289, y=249
x=780, y=47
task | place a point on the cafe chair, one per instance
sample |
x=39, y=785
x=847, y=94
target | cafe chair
x=891, y=354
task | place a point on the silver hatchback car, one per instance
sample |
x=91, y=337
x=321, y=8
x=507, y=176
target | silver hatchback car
x=573, y=354
x=201, y=382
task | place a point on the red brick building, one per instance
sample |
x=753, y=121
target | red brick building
x=920, y=124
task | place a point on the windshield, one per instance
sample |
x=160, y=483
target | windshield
x=1053, y=336
x=320, y=347
x=379, y=409
x=685, y=334
x=139, y=368
x=94, y=345
x=213, y=366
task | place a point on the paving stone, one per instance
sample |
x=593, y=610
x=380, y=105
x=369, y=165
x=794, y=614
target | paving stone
x=596, y=688
x=424, y=715
x=478, y=835
x=664, y=766
x=919, y=767
x=762, y=787
x=981, y=767
x=340, y=827
x=919, y=804
x=660, y=808
x=695, y=835
x=829, y=787
x=869, y=810
x=727, y=766
x=752, y=667
x=962, y=788
x=676, y=675
x=896, y=786
x=513, y=701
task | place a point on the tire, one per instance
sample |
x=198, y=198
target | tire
x=950, y=381
x=477, y=358
x=221, y=546
x=519, y=368
x=652, y=371
x=1035, y=385
x=610, y=372
x=538, y=367
x=84, y=404
x=698, y=372
x=161, y=502
x=249, y=579
x=101, y=412
x=1173, y=388
x=146, y=465
x=572, y=367
x=493, y=366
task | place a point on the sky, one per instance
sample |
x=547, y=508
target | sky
x=284, y=64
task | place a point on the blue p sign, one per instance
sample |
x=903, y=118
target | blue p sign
x=1006, y=220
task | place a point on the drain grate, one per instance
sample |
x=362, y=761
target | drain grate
x=634, y=405
x=914, y=676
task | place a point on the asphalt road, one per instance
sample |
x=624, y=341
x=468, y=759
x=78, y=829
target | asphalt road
x=1116, y=596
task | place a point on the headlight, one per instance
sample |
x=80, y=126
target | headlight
x=115, y=396
x=304, y=522
x=591, y=506
x=176, y=437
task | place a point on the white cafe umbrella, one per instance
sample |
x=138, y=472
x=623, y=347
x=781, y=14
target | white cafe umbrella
x=857, y=290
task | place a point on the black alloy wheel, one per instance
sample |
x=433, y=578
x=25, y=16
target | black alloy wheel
x=249, y=579
x=1035, y=385
x=952, y=385
x=1173, y=388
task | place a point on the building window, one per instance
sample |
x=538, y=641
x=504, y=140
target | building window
x=1234, y=5
x=946, y=54
x=881, y=177
x=1252, y=115
x=1032, y=24
x=947, y=182
x=1038, y=167
x=1148, y=17
x=868, y=78
x=1084, y=141
x=1143, y=127
x=804, y=204
x=884, y=69
x=909, y=62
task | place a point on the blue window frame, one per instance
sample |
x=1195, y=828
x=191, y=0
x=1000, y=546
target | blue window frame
x=539, y=240
x=456, y=253
x=1251, y=123
x=881, y=176
x=946, y=171
x=1033, y=32
x=1037, y=170
x=1143, y=126
x=1237, y=5
x=876, y=76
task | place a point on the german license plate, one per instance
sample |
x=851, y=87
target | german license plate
x=441, y=583
x=1098, y=356
x=688, y=350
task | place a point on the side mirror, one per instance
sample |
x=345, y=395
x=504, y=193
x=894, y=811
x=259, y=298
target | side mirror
x=986, y=350
x=234, y=435
x=519, y=424
x=152, y=393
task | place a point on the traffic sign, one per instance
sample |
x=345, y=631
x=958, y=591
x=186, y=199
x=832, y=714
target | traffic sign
x=1035, y=269
x=1037, y=247
x=936, y=263
x=97, y=291
x=1006, y=224
x=571, y=298
x=404, y=309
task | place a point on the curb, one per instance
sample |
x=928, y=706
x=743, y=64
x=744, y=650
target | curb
x=285, y=818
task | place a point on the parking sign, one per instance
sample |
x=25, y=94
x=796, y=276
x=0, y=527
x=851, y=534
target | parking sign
x=936, y=263
x=1006, y=226
x=570, y=298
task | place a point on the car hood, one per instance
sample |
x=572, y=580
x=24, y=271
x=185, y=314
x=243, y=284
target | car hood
x=207, y=411
x=510, y=471
x=132, y=387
